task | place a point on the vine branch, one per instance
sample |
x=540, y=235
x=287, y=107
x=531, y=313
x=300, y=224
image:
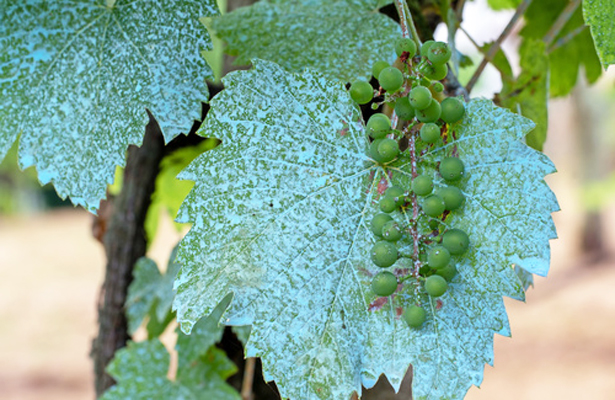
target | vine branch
x=497, y=44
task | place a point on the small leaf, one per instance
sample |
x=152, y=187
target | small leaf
x=341, y=38
x=141, y=368
x=599, y=16
x=281, y=212
x=79, y=77
x=150, y=290
x=529, y=93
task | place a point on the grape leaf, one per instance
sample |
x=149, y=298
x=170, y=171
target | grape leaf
x=599, y=16
x=280, y=214
x=328, y=36
x=566, y=60
x=503, y=4
x=141, y=368
x=150, y=292
x=529, y=93
x=77, y=78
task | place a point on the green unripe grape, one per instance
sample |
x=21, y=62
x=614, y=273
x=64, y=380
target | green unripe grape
x=438, y=72
x=388, y=150
x=384, y=254
x=438, y=87
x=387, y=204
x=403, y=109
x=378, y=67
x=422, y=185
x=405, y=44
x=391, y=79
x=452, y=196
x=384, y=283
x=439, y=53
x=451, y=169
x=414, y=316
x=419, y=97
x=438, y=257
x=433, y=206
x=430, y=132
x=378, y=126
x=378, y=222
x=431, y=113
x=435, y=285
x=361, y=92
x=453, y=109
x=447, y=272
x=425, y=47
x=391, y=231
x=396, y=193
x=434, y=224
x=456, y=241
x=373, y=150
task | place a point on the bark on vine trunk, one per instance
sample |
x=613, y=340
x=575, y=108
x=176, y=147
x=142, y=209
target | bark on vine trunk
x=125, y=241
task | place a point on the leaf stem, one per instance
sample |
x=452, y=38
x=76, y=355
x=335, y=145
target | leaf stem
x=562, y=41
x=496, y=45
x=408, y=29
x=559, y=23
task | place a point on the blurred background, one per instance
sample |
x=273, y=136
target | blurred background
x=563, y=341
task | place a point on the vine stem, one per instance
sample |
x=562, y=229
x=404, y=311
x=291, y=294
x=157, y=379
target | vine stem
x=408, y=29
x=496, y=45
x=559, y=23
x=248, y=379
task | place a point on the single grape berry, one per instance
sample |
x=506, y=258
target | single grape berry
x=431, y=113
x=433, y=205
x=419, y=97
x=430, y=132
x=391, y=231
x=425, y=47
x=447, y=272
x=384, y=283
x=373, y=150
x=396, y=193
x=452, y=196
x=390, y=79
x=453, y=109
x=422, y=185
x=414, y=316
x=439, y=53
x=388, y=150
x=378, y=222
x=438, y=72
x=403, y=109
x=361, y=92
x=434, y=224
x=438, y=257
x=378, y=67
x=405, y=44
x=456, y=241
x=384, y=254
x=451, y=169
x=378, y=126
x=435, y=285
x=387, y=204
x=437, y=86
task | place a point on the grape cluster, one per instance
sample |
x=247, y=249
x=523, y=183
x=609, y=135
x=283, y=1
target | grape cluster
x=412, y=89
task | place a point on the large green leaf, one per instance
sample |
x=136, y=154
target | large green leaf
x=566, y=60
x=599, y=16
x=141, y=368
x=76, y=78
x=529, y=93
x=339, y=38
x=280, y=215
